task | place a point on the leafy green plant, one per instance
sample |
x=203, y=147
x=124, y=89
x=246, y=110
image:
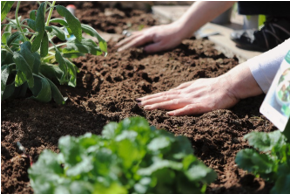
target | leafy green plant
x=31, y=60
x=270, y=159
x=129, y=157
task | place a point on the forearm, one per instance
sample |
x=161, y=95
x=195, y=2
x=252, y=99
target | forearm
x=242, y=83
x=199, y=14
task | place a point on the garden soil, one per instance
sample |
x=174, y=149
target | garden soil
x=106, y=91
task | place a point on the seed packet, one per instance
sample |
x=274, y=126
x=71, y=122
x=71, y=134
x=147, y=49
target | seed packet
x=276, y=105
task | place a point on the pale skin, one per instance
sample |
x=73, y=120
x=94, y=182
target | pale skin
x=204, y=95
x=168, y=36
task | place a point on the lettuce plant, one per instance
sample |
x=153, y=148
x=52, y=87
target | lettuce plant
x=270, y=158
x=31, y=60
x=129, y=157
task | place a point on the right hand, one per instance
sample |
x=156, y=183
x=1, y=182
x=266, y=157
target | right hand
x=161, y=37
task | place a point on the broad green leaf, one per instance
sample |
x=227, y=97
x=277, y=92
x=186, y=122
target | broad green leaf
x=25, y=51
x=200, y=172
x=71, y=150
x=44, y=45
x=109, y=130
x=36, y=65
x=40, y=27
x=160, y=143
x=265, y=141
x=60, y=21
x=56, y=31
x=56, y=94
x=85, y=46
x=91, y=31
x=20, y=78
x=5, y=8
x=23, y=66
x=9, y=90
x=71, y=53
x=4, y=77
x=41, y=90
x=32, y=24
x=14, y=36
x=62, y=66
x=32, y=14
x=72, y=21
x=4, y=37
x=252, y=161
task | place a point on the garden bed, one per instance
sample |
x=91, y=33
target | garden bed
x=106, y=91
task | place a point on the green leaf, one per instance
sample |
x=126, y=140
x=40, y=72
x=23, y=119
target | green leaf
x=62, y=66
x=72, y=21
x=85, y=46
x=91, y=31
x=4, y=77
x=56, y=94
x=56, y=31
x=32, y=24
x=20, y=78
x=9, y=90
x=44, y=45
x=53, y=72
x=72, y=70
x=109, y=130
x=36, y=65
x=40, y=27
x=5, y=36
x=60, y=21
x=252, y=161
x=265, y=141
x=282, y=185
x=41, y=90
x=14, y=36
x=5, y=8
x=23, y=66
x=71, y=53
x=32, y=14
x=25, y=51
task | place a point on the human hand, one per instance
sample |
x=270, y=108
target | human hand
x=163, y=37
x=194, y=97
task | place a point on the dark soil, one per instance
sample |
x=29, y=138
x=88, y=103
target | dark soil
x=106, y=91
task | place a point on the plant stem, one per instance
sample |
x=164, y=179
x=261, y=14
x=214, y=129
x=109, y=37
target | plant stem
x=8, y=49
x=50, y=13
x=17, y=21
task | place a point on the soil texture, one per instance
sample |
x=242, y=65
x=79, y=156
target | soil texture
x=106, y=91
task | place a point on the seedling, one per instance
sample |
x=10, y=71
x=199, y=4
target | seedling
x=31, y=60
x=270, y=159
x=129, y=157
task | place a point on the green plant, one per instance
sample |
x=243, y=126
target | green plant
x=270, y=160
x=31, y=60
x=129, y=157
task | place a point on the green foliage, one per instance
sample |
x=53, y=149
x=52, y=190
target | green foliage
x=30, y=60
x=270, y=160
x=129, y=157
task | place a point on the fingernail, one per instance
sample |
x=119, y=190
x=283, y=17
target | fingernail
x=139, y=103
x=171, y=113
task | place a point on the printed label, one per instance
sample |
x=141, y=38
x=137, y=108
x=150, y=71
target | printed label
x=276, y=105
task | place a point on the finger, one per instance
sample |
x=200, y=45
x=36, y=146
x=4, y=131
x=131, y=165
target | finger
x=137, y=41
x=155, y=47
x=160, y=99
x=164, y=93
x=127, y=39
x=168, y=105
x=183, y=85
x=189, y=110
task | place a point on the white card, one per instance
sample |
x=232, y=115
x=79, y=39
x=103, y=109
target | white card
x=276, y=105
